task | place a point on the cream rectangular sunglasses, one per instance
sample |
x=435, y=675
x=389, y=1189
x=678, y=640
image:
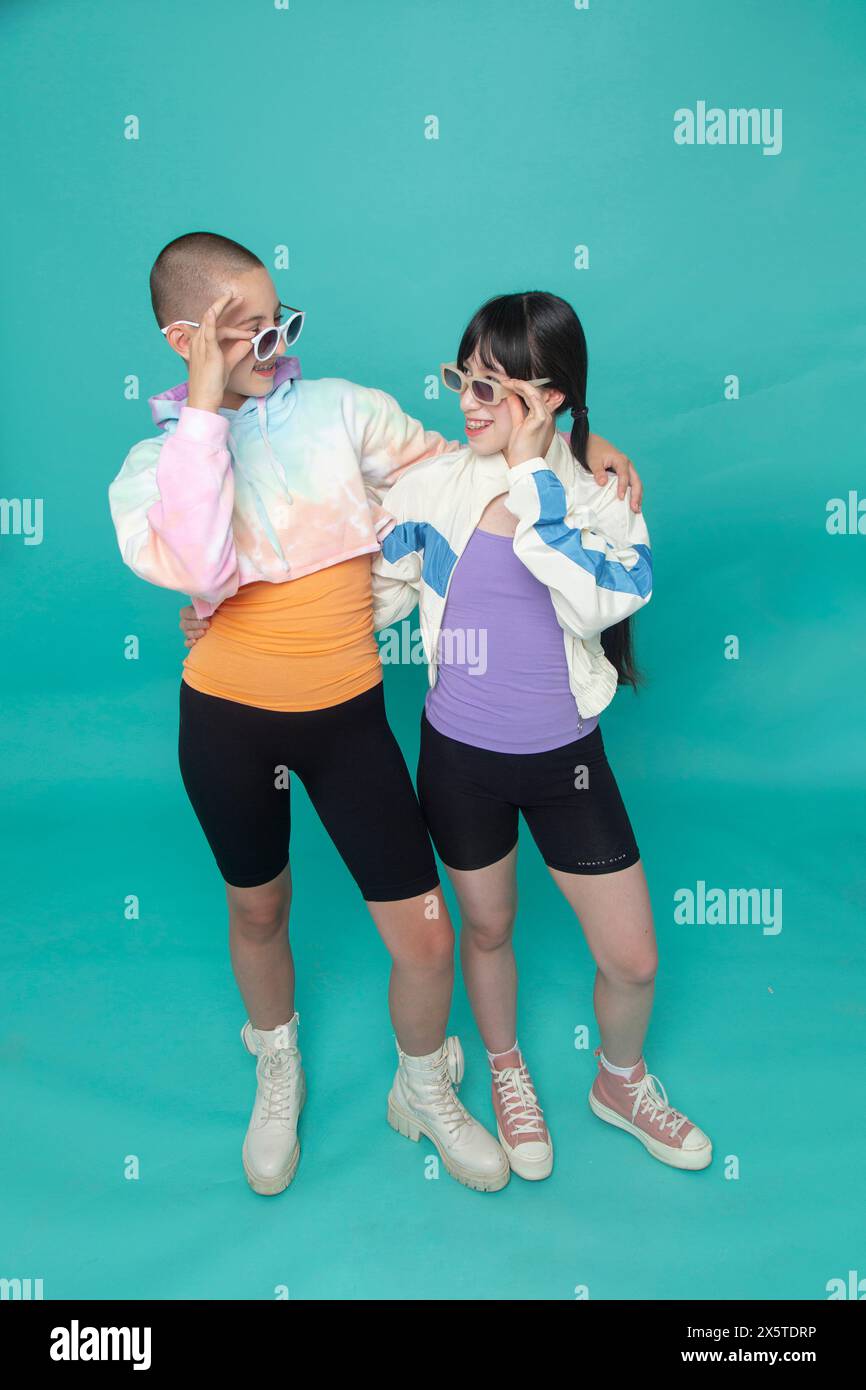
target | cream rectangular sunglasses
x=483, y=389
x=267, y=341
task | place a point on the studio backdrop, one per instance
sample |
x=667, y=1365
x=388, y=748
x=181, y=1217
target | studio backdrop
x=689, y=177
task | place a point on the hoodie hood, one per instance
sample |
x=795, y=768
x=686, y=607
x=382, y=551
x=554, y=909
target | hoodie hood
x=165, y=406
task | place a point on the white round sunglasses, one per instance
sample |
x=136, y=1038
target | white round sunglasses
x=266, y=342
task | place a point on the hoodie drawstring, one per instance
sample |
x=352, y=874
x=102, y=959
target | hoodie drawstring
x=262, y=407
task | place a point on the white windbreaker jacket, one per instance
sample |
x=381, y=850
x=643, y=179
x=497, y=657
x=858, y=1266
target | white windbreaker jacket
x=588, y=547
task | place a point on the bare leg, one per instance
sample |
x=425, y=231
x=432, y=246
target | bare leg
x=488, y=907
x=260, y=952
x=615, y=913
x=420, y=940
x=416, y=931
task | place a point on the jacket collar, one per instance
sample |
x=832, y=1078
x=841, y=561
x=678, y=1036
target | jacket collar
x=559, y=459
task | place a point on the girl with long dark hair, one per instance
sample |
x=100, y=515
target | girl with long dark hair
x=527, y=576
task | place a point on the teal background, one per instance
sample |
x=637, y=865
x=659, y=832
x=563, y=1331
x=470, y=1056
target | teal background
x=307, y=127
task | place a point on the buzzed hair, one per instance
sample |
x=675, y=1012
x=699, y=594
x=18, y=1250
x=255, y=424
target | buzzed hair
x=189, y=272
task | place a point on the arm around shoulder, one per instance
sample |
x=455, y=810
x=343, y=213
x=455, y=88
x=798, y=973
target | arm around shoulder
x=387, y=440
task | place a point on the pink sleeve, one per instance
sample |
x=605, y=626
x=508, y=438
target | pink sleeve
x=174, y=522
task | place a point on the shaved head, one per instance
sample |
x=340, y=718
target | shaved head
x=192, y=271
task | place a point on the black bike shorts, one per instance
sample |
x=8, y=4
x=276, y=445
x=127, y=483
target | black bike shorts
x=472, y=798
x=348, y=760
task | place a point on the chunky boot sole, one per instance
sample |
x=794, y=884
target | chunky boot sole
x=273, y=1186
x=530, y=1172
x=689, y=1160
x=412, y=1129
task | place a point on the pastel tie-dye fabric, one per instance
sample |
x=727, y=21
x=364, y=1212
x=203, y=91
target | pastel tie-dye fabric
x=286, y=485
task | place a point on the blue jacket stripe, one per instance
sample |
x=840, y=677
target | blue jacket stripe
x=406, y=537
x=419, y=536
x=608, y=574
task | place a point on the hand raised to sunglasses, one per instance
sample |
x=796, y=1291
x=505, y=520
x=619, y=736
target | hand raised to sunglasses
x=532, y=429
x=214, y=352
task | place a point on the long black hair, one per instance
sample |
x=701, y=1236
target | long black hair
x=531, y=335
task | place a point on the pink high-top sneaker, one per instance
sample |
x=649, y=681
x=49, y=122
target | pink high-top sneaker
x=639, y=1104
x=520, y=1119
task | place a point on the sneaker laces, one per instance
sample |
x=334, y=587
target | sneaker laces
x=523, y=1114
x=276, y=1084
x=650, y=1098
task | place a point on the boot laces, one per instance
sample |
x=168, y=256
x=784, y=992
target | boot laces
x=443, y=1098
x=519, y=1101
x=650, y=1098
x=276, y=1084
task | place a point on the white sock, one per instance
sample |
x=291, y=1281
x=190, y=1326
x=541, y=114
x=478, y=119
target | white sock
x=491, y=1055
x=617, y=1071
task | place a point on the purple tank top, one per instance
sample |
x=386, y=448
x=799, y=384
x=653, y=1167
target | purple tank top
x=503, y=676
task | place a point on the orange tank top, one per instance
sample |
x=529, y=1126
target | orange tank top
x=304, y=644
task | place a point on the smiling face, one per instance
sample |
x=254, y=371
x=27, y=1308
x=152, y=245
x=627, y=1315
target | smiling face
x=256, y=306
x=488, y=427
x=259, y=308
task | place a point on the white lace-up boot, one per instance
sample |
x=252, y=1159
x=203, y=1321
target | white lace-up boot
x=271, y=1148
x=423, y=1100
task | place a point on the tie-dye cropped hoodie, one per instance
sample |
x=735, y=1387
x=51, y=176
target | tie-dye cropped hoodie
x=288, y=484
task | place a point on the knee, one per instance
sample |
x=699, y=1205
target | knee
x=636, y=967
x=489, y=929
x=260, y=914
x=432, y=950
